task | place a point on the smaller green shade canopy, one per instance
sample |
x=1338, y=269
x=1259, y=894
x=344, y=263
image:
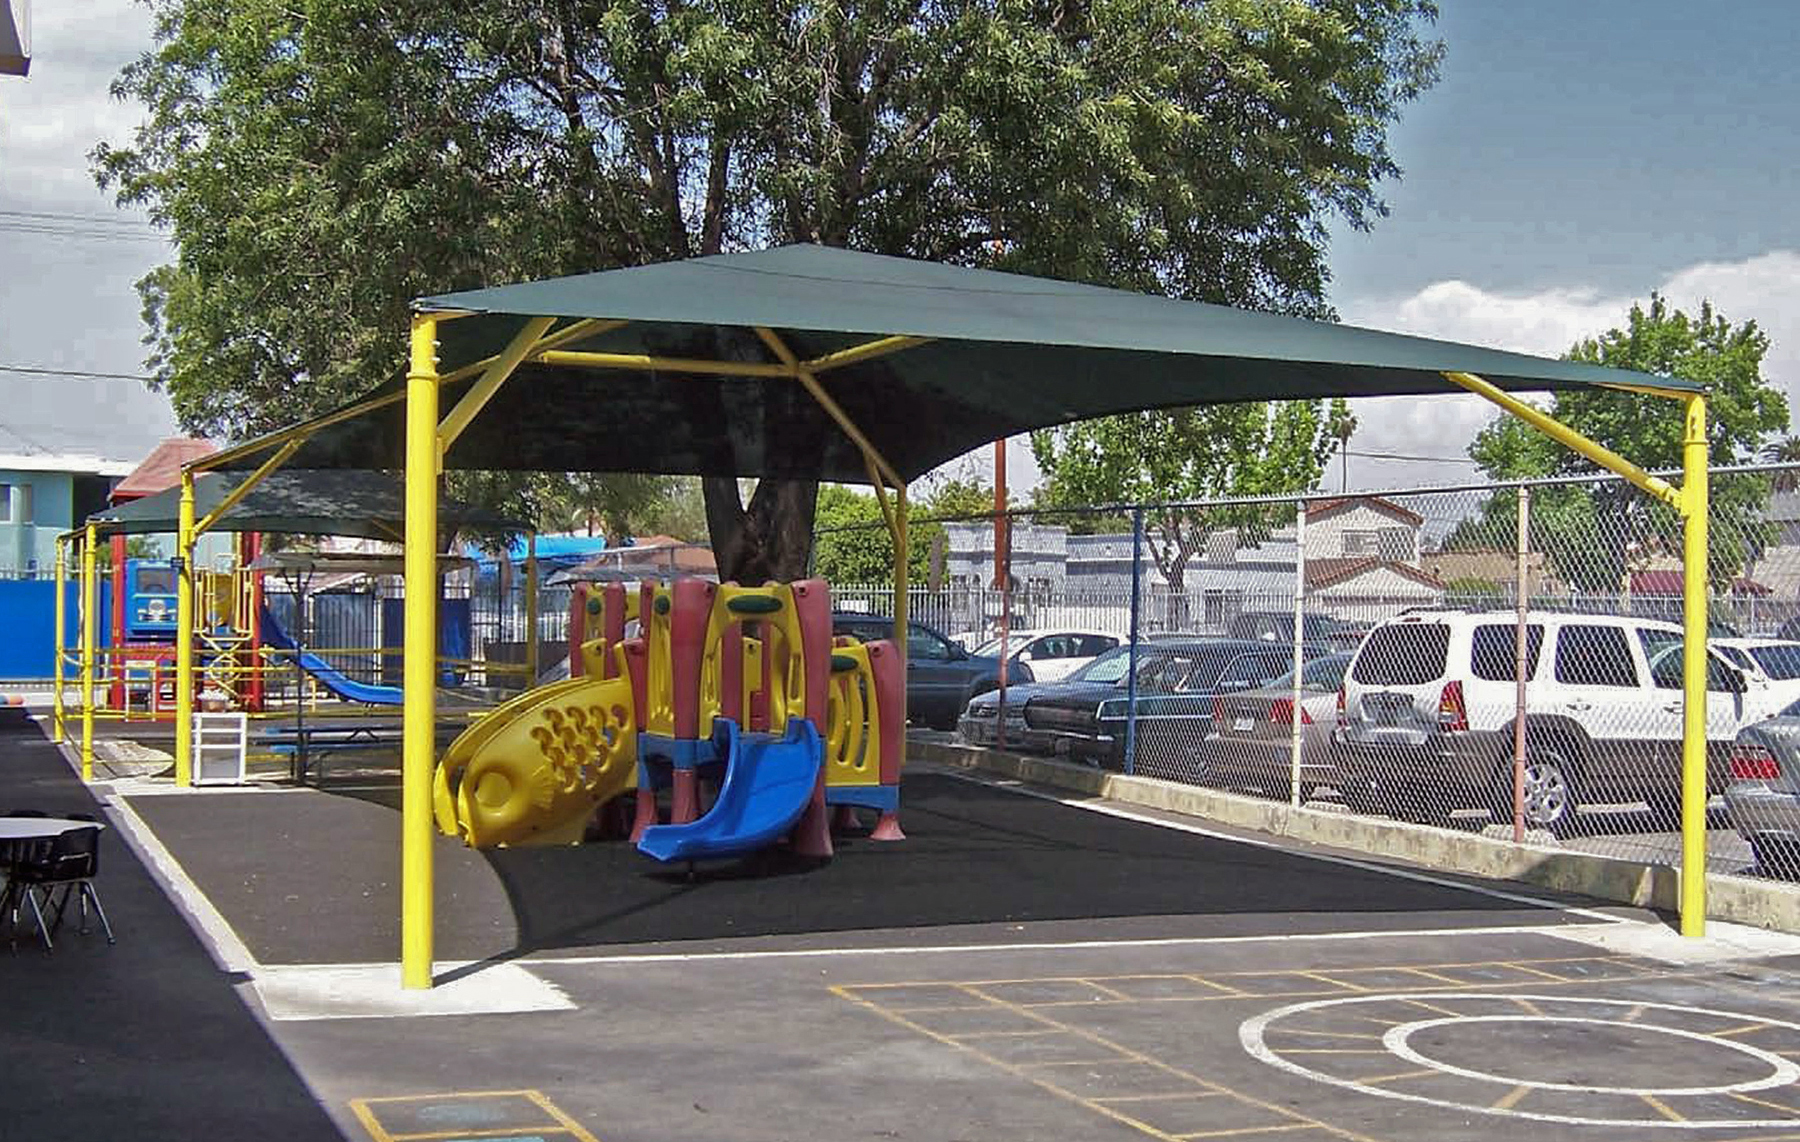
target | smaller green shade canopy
x=294, y=501
x=1003, y=354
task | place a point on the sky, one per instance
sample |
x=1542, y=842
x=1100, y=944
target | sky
x=1573, y=158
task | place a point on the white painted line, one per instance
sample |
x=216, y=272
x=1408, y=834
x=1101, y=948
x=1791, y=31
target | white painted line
x=1252, y=1037
x=221, y=942
x=1258, y=842
x=1724, y=942
x=1045, y=946
x=373, y=991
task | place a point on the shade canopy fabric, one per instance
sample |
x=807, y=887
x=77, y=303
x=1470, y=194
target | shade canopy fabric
x=1003, y=354
x=292, y=501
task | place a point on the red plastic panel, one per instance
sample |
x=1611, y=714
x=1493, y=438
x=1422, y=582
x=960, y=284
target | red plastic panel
x=890, y=696
x=812, y=612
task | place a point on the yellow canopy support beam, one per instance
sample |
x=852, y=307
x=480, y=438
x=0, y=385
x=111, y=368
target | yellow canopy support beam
x=492, y=378
x=90, y=645
x=1563, y=434
x=649, y=363
x=419, y=711
x=1691, y=501
x=58, y=728
x=184, y=633
x=237, y=494
x=865, y=352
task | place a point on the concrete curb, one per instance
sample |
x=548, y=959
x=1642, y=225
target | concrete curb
x=1759, y=903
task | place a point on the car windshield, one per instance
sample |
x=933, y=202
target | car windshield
x=1778, y=662
x=1108, y=667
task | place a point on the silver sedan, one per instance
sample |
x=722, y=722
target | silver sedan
x=1764, y=796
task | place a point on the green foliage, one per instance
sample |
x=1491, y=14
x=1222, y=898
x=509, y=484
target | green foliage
x=1191, y=454
x=143, y=547
x=318, y=164
x=853, y=545
x=1586, y=532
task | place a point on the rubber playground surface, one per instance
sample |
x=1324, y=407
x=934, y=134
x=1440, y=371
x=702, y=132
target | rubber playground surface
x=1018, y=968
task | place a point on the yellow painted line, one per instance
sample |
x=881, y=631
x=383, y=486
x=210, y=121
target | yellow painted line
x=1420, y=1003
x=1167, y=1068
x=946, y=1007
x=1633, y=1015
x=1528, y=1005
x=1109, y=1061
x=1662, y=1108
x=1432, y=975
x=364, y=1110
x=1323, y=978
x=1394, y=1078
x=1010, y=1068
x=1511, y=1098
x=486, y=1132
x=1005, y=1034
x=1240, y=1131
x=1524, y=965
x=1171, y=1096
x=1112, y=991
x=1766, y=1102
x=1746, y=1029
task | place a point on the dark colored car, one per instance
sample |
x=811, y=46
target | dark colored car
x=980, y=719
x=1176, y=683
x=1763, y=798
x=941, y=676
x=1278, y=626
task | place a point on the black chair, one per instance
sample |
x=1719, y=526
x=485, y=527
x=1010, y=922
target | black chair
x=69, y=862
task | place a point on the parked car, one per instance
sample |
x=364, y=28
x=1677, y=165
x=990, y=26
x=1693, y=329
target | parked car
x=1763, y=799
x=1772, y=663
x=1428, y=708
x=941, y=676
x=1052, y=654
x=979, y=720
x=1251, y=741
x=1176, y=683
x=1278, y=626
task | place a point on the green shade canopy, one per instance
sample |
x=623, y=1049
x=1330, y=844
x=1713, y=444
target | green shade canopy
x=1005, y=354
x=293, y=501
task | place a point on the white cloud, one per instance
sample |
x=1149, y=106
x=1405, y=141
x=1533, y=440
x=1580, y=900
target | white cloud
x=1765, y=289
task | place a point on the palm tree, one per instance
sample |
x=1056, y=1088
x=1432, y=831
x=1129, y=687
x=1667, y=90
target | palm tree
x=1784, y=451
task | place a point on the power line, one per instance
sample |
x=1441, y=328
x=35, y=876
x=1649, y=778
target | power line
x=1414, y=459
x=61, y=216
x=82, y=374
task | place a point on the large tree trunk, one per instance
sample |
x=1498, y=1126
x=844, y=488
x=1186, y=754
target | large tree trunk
x=769, y=541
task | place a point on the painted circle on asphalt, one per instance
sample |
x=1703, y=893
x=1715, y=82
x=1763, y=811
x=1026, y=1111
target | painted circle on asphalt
x=1782, y=1071
x=1712, y=1069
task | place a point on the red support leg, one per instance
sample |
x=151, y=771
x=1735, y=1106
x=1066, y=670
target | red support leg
x=646, y=813
x=812, y=836
x=684, y=804
x=888, y=828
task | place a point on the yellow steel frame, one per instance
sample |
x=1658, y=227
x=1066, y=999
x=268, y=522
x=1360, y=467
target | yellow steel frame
x=59, y=730
x=90, y=643
x=1690, y=500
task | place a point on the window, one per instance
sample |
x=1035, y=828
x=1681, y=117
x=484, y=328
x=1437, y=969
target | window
x=1324, y=673
x=1249, y=670
x=1781, y=663
x=1668, y=669
x=1594, y=656
x=6, y=512
x=926, y=646
x=25, y=513
x=1096, y=644
x=1404, y=654
x=1494, y=651
x=1395, y=543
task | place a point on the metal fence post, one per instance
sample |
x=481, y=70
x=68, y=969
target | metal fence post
x=1137, y=576
x=1522, y=588
x=1299, y=654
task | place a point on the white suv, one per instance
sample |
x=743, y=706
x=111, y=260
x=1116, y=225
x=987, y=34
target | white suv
x=1428, y=706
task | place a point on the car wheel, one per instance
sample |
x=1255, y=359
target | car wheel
x=1550, y=788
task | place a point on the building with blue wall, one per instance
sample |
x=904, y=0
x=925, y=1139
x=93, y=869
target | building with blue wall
x=43, y=495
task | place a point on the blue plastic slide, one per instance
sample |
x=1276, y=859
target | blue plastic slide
x=329, y=676
x=768, y=784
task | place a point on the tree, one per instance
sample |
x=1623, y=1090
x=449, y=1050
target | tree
x=1586, y=532
x=615, y=506
x=853, y=545
x=317, y=165
x=1784, y=451
x=1191, y=454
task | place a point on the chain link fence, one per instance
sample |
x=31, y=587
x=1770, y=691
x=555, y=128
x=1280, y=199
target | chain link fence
x=1500, y=658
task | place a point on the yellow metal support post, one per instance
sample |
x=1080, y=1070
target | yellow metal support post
x=901, y=583
x=418, y=733
x=184, y=635
x=531, y=609
x=90, y=644
x=59, y=730
x=1694, y=662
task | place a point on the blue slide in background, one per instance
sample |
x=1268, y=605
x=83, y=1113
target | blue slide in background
x=329, y=676
x=768, y=784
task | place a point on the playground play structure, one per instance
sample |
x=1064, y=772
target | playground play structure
x=245, y=656
x=829, y=364
x=738, y=688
